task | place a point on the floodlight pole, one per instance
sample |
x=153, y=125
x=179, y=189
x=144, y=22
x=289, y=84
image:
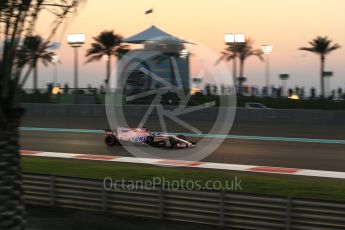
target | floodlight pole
x=267, y=78
x=55, y=61
x=76, y=73
x=266, y=50
x=75, y=41
x=76, y=87
x=231, y=38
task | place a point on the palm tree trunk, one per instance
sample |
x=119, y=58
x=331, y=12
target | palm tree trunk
x=322, y=77
x=107, y=72
x=22, y=83
x=234, y=70
x=241, y=68
x=12, y=208
x=240, y=79
x=35, y=78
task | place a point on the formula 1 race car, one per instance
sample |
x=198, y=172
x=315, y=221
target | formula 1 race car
x=144, y=136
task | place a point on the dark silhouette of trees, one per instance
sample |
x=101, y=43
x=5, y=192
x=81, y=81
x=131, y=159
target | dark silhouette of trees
x=215, y=89
x=279, y=92
x=340, y=92
x=290, y=92
x=321, y=46
x=222, y=89
x=312, y=92
x=34, y=48
x=106, y=45
x=17, y=20
x=66, y=89
x=208, y=89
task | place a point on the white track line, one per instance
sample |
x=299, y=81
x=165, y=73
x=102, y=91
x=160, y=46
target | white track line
x=190, y=164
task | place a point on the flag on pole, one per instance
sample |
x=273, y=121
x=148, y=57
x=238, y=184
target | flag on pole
x=150, y=11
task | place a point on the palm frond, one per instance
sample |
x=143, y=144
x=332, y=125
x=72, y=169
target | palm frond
x=106, y=43
x=321, y=46
x=34, y=47
x=310, y=49
x=96, y=48
x=219, y=60
x=95, y=57
x=332, y=48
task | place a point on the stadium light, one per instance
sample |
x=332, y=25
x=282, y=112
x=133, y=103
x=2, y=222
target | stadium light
x=76, y=39
x=234, y=38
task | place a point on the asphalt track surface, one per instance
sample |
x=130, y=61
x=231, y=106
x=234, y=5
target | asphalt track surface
x=318, y=156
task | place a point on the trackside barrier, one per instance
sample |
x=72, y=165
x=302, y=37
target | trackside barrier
x=218, y=208
x=209, y=114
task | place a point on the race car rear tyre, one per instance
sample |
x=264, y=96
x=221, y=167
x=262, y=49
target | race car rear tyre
x=181, y=137
x=111, y=140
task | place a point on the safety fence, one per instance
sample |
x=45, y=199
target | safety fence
x=224, y=209
x=95, y=111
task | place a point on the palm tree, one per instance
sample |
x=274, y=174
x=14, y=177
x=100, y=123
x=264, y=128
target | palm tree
x=242, y=51
x=106, y=45
x=17, y=20
x=34, y=48
x=230, y=54
x=321, y=46
x=245, y=50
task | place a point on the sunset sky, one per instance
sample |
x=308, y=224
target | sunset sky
x=287, y=25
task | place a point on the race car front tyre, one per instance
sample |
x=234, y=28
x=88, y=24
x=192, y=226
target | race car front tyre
x=111, y=140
